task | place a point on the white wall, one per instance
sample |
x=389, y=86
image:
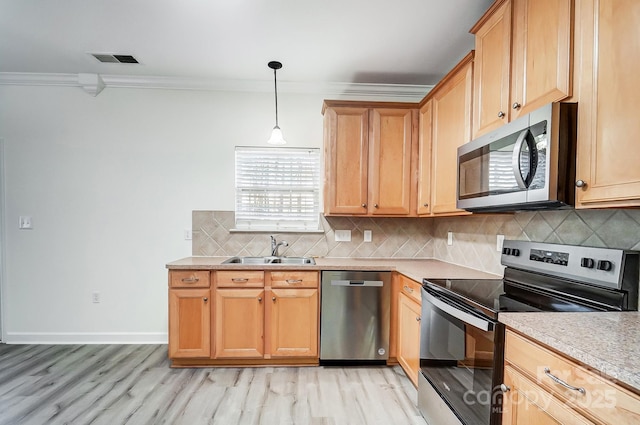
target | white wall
x=110, y=183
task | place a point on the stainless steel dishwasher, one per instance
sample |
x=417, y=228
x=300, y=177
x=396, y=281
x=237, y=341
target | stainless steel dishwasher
x=354, y=320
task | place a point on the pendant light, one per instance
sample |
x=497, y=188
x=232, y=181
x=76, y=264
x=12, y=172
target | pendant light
x=276, y=135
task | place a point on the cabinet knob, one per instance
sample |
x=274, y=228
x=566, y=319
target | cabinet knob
x=274, y=299
x=581, y=183
x=501, y=114
x=259, y=299
x=418, y=319
x=504, y=388
x=364, y=205
x=375, y=205
x=516, y=105
x=425, y=205
x=205, y=299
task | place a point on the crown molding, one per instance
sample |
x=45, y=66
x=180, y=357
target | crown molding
x=354, y=91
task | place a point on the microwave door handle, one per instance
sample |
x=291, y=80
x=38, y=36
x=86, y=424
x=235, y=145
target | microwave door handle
x=515, y=159
x=463, y=316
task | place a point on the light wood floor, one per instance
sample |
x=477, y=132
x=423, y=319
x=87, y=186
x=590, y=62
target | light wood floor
x=133, y=384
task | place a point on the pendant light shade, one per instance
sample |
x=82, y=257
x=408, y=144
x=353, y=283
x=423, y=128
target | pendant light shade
x=276, y=135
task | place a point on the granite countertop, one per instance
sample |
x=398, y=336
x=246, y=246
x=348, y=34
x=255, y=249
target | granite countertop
x=416, y=269
x=608, y=342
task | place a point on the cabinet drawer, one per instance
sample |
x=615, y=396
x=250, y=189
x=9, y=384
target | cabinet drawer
x=293, y=279
x=239, y=279
x=189, y=279
x=410, y=288
x=602, y=399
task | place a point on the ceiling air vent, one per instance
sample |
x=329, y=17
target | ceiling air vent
x=108, y=58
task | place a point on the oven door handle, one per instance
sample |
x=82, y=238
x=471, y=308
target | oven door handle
x=470, y=319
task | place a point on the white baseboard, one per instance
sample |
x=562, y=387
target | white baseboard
x=86, y=338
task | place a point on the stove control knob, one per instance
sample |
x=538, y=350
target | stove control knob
x=587, y=262
x=506, y=251
x=605, y=265
x=515, y=252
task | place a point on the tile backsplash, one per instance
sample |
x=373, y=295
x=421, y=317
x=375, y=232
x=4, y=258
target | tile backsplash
x=474, y=237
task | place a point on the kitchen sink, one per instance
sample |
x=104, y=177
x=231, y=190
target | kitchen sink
x=270, y=260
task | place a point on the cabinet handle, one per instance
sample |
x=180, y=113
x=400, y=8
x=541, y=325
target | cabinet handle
x=364, y=205
x=418, y=319
x=425, y=205
x=240, y=279
x=409, y=290
x=557, y=380
x=581, y=183
x=516, y=105
x=291, y=281
x=273, y=299
x=504, y=388
x=191, y=279
x=501, y=114
x=205, y=299
x=259, y=299
x=375, y=205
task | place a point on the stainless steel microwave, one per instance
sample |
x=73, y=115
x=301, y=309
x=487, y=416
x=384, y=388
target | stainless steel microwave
x=527, y=164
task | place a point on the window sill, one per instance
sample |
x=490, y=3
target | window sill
x=318, y=231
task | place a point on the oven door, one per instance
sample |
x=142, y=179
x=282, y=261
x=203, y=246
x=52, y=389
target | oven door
x=461, y=358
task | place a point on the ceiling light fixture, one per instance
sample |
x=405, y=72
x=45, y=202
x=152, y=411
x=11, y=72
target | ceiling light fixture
x=276, y=135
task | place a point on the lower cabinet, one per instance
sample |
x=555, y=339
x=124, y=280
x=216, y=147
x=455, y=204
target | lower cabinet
x=246, y=317
x=293, y=322
x=189, y=314
x=544, y=387
x=239, y=319
x=189, y=323
x=408, y=348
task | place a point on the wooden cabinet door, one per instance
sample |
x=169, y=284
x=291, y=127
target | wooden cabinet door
x=424, y=158
x=608, y=124
x=239, y=323
x=292, y=317
x=408, y=348
x=451, y=129
x=542, y=37
x=491, y=79
x=189, y=323
x=527, y=403
x=346, y=132
x=391, y=137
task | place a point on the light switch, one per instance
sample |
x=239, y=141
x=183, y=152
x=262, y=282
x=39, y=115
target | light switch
x=343, y=236
x=449, y=238
x=499, y=242
x=25, y=222
x=367, y=235
x=188, y=234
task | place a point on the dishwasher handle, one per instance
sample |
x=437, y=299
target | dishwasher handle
x=357, y=283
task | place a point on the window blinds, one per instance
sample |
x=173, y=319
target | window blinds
x=277, y=188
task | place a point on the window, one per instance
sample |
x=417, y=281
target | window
x=277, y=188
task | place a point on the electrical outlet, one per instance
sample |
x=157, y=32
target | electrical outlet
x=188, y=234
x=25, y=222
x=367, y=235
x=449, y=238
x=342, y=235
x=95, y=297
x=499, y=242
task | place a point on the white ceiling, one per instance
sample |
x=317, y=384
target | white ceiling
x=329, y=41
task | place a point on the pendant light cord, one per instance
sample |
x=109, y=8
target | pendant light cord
x=275, y=84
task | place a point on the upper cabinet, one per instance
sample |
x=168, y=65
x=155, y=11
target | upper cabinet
x=445, y=123
x=607, y=64
x=522, y=61
x=369, y=158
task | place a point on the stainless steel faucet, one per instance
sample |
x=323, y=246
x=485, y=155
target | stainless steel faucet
x=275, y=246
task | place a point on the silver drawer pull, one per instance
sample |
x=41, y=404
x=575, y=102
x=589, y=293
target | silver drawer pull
x=191, y=279
x=557, y=380
x=409, y=290
x=239, y=279
x=294, y=281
